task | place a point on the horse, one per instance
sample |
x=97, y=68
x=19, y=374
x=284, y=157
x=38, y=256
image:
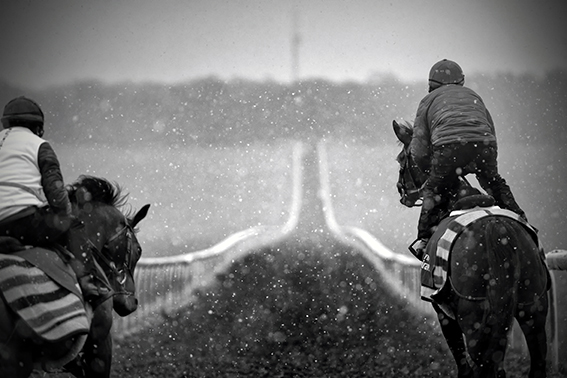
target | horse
x=111, y=236
x=496, y=272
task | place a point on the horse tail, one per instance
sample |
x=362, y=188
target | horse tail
x=504, y=272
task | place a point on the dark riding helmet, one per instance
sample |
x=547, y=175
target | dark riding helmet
x=445, y=72
x=24, y=111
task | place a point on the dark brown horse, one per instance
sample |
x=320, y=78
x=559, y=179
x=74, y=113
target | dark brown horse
x=496, y=273
x=115, y=247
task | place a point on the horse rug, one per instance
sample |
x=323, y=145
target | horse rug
x=49, y=299
x=435, y=265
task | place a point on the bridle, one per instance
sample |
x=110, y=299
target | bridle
x=122, y=271
x=409, y=191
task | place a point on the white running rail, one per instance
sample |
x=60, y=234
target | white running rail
x=400, y=272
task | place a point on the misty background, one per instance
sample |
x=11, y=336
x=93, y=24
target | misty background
x=212, y=112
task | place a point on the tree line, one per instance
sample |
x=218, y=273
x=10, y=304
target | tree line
x=209, y=111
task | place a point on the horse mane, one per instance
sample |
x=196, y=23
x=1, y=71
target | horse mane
x=100, y=190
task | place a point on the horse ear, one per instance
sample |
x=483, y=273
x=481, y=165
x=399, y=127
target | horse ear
x=141, y=214
x=403, y=132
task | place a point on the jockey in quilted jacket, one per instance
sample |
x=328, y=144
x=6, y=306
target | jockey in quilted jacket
x=34, y=204
x=453, y=130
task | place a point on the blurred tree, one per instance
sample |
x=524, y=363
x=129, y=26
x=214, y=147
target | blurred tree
x=210, y=111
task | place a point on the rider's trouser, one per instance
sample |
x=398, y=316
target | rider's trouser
x=34, y=226
x=447, y=164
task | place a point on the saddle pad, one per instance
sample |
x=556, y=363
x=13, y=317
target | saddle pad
x=52, y=312
x=436, y=260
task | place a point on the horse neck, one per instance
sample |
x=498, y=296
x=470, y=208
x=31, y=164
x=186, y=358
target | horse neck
x=98, y=225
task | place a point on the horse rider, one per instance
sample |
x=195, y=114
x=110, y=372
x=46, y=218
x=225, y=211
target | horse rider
x=34, y=204
x=453, y=129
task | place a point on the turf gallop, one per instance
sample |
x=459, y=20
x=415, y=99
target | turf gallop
x=290, y=312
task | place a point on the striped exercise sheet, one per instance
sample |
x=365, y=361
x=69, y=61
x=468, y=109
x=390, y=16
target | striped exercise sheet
x=52, y=311
x=435, y=265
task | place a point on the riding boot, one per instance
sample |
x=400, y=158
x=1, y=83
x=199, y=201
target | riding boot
x=503, y=196
x=417, y=248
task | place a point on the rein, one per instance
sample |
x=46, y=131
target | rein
x=409, y=190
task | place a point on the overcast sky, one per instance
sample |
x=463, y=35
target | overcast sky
x=47, y=42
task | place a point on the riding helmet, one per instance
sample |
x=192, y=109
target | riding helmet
x=22, y=109
x=446, y=72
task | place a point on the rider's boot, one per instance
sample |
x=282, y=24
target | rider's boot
x=418, y=248
x=504, y=198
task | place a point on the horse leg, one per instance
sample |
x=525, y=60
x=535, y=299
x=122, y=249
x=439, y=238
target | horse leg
x=532, y=320
x=486, y=337
x=454, y=337
x=98, y=353
x=97, y=358
x=532, y=309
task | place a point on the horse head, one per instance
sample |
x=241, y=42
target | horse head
x=411, y=178
x=111, y=235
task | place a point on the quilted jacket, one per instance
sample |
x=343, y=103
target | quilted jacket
x=450, y=114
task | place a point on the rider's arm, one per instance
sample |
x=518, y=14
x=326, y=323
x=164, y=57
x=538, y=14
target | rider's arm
x=52, y=180
x=420, y=146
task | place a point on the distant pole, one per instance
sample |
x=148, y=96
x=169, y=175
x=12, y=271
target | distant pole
x=295, y=43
